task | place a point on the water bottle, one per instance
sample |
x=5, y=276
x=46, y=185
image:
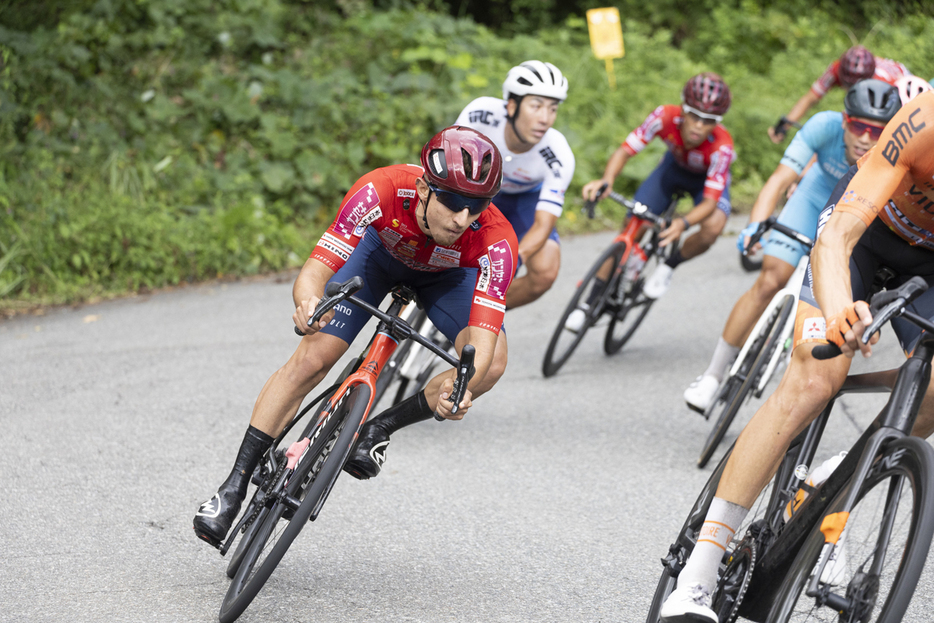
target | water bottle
x=815, y=478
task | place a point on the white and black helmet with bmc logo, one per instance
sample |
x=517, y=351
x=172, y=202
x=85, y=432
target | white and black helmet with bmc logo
x=535, y=78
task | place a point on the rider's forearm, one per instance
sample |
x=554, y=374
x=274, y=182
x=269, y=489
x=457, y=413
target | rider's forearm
x=538, y=234
x=615, y=164
x=484, y=342
x=701, y=211
x=802, y=106
x=783, y=177
x=830, y=262
x=311, y=281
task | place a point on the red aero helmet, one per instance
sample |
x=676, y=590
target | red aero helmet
x=856, y=64
x=707, y=93
x=463, y=161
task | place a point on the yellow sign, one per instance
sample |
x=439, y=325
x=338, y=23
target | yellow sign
x=606, y=33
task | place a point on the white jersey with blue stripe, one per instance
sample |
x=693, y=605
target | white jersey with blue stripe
x=548, y=167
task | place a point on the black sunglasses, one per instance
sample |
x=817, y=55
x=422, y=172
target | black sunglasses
x=455, y=202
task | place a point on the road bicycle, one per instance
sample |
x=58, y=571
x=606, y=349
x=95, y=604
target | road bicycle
x=854, y=549
x=293, y=483
x=767, y=347
x=411, y=366
x=633, y=254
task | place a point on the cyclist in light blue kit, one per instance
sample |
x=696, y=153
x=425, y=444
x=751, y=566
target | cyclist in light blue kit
x=838, y=140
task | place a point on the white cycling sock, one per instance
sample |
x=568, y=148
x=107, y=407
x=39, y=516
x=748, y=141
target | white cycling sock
x=723, y=356
x=723, y=518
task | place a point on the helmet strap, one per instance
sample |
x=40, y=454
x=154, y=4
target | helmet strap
x=425, y=214
x=512, y=120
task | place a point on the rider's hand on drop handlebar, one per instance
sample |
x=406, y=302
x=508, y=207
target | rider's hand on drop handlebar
x=303, y=314
x=742, y=241
x=846, y=328
x=445, y=405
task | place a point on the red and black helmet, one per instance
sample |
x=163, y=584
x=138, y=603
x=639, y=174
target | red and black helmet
x=463, y=161
x=707, y=95
x=856, y=64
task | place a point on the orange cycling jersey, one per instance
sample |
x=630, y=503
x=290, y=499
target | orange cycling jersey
x=896, y=178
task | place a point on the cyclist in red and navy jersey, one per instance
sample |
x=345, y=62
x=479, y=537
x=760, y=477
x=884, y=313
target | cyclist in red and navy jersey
x=854, y=65
x=700, y=152
x=431, y=227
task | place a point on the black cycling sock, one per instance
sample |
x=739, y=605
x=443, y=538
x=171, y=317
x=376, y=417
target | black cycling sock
x=595, y=291
x=675, y=259
x=409, y=411
x=255, y=443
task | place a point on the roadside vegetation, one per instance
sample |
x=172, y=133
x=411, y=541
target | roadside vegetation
x=146, y=143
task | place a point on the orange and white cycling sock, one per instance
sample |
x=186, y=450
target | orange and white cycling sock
x=723, y=519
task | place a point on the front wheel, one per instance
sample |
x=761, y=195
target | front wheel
x=309, y=484
x=627, y=305
x=590, y=298
x=877, y=561
x=733, y=393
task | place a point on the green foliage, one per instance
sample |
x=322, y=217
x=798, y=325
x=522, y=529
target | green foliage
x=152, y=142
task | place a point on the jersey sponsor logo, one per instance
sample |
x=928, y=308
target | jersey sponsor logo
x=483, y=279
x=476, y=225
x=900, y=137
x=406, y=192
x=355, y=209
x=484, y=302
x=501, y=269
x=482, y=116
x=337, y=242
x=333, y=249
x=447, y=258
x=371, y=216
x=551, y=160
x=409, y=249
x=695, y=160
x=826, y=213
x=390, y=238
x=921, y=200
x=814, y=329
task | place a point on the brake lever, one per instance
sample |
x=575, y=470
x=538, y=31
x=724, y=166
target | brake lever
x=590, y=206
x=465, y=372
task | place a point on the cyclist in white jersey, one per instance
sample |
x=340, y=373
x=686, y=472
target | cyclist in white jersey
x=537, y=168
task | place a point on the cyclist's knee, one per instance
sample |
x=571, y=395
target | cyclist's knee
x=767, y=284
x=809, y=385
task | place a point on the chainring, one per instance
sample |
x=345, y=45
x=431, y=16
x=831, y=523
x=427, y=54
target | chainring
x=734, y=581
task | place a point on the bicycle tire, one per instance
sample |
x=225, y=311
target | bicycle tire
x=631, y=301
x=311, y=482
x=556, y=355
x=247, y=539
x=770, y=339
x=679, y=551
x=906, y=464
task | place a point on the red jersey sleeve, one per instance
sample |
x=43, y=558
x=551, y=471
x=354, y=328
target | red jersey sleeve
x=722, y=156
x=828, y=80
x=360, y=208
x=653, y=124
x=496, y=263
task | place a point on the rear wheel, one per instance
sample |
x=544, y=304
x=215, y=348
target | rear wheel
x=733, y=394
x=308, y=485
x=879, y=558
x=590, y=297
x=627, y=306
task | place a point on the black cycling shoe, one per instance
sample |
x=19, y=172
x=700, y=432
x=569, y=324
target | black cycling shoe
x=213, y=520
x=369, y=454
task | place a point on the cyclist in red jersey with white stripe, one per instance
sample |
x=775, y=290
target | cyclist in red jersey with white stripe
x=431, y=227
x=880, y=214
x=700, y=152
x=854, y=65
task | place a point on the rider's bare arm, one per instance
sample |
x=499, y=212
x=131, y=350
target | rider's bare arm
x=780, y=180
x=797, y=111
x=535, y=238
x=307, y=291
x=613, y=166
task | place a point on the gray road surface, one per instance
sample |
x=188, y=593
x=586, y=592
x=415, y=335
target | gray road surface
x=552, y=501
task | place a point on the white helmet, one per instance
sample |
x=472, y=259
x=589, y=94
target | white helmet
x=536, y=78
x=911, y=86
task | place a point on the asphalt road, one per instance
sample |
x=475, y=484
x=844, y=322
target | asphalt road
x=552, y=501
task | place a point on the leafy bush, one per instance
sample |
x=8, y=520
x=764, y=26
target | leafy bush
x=153, y=142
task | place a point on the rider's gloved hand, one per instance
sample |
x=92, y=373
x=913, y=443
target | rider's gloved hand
x=745, y=235
x=845, y=327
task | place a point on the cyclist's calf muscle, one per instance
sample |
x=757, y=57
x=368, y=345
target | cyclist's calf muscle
x=804, y=391
x=774, y=275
